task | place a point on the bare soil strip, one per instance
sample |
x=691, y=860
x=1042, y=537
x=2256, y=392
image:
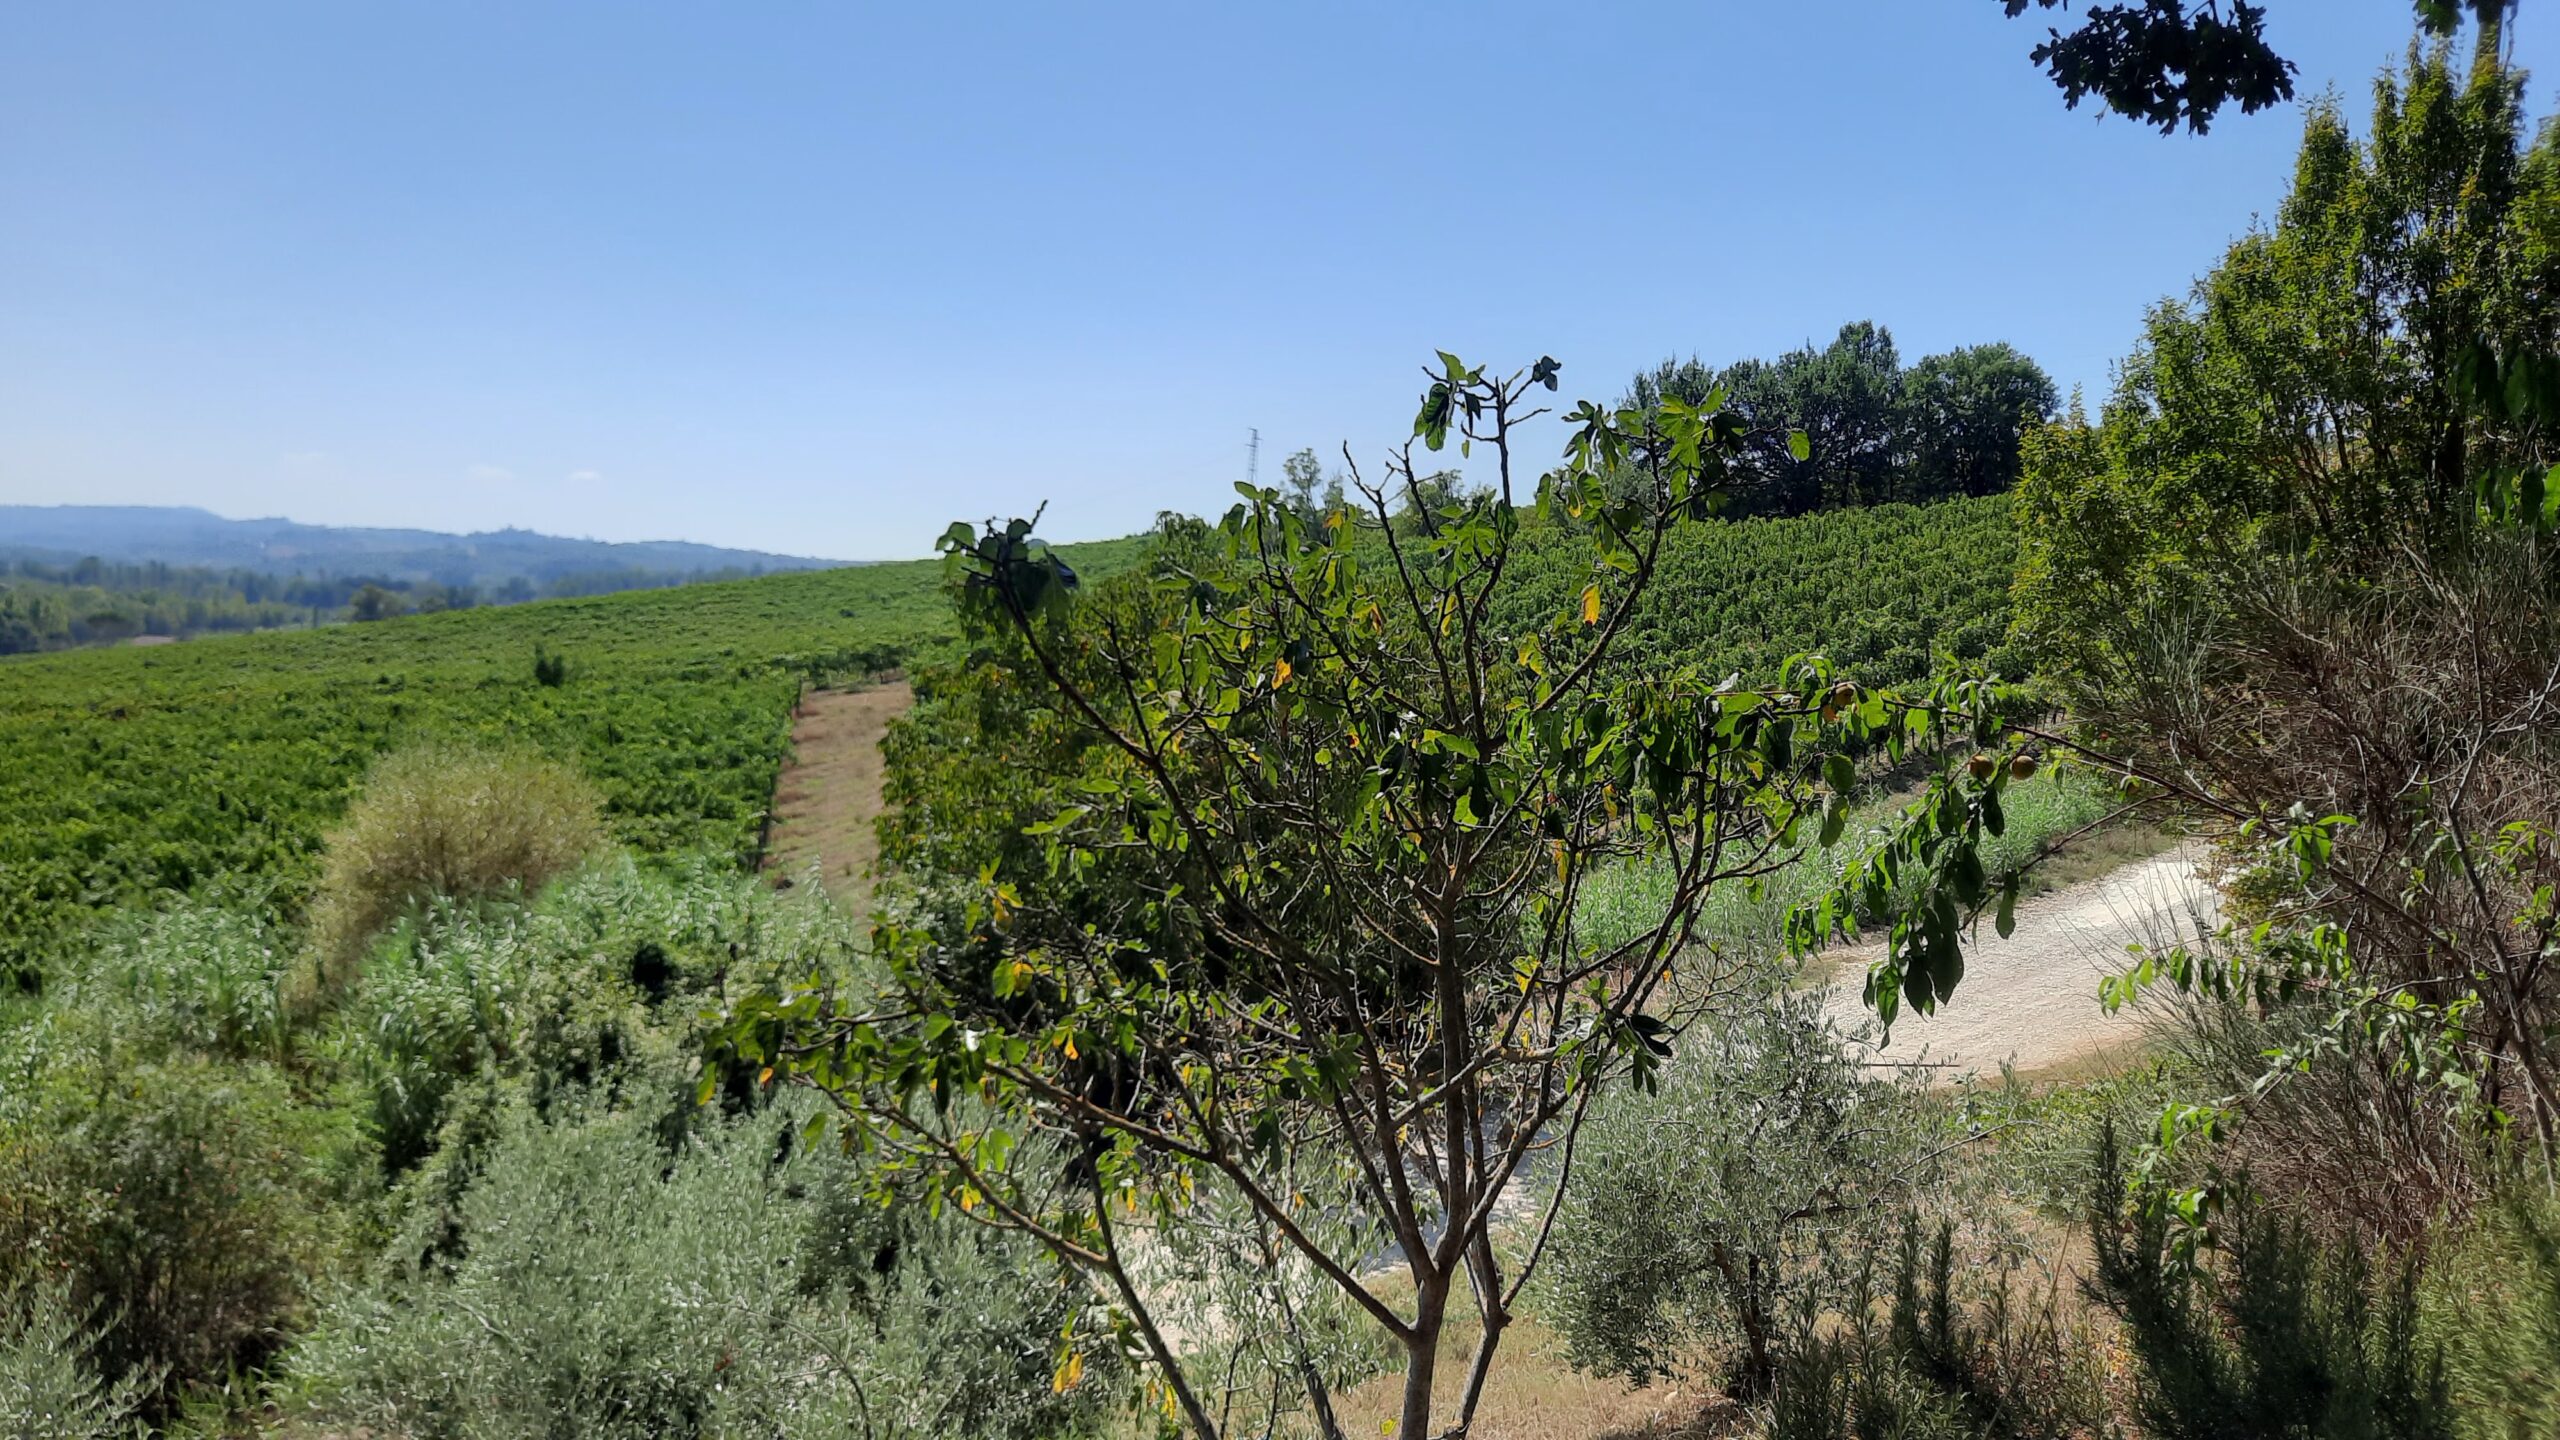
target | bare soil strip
x=830, y=791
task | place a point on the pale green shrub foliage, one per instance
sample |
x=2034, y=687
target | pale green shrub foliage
x=600, y=1287
x=1696, y=1216
x=49, y=1385
x=444, y=821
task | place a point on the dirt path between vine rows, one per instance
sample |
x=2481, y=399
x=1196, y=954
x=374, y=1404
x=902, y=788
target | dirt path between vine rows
x=2032, y=999
x=830, y=791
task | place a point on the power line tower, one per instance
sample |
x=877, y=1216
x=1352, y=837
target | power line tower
x=1253, y=459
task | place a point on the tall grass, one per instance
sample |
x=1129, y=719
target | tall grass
x=444, y=823
x=207, y=973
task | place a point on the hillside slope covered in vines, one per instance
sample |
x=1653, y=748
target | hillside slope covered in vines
x=143, y=771
x=138, y=771
x=1882, y=590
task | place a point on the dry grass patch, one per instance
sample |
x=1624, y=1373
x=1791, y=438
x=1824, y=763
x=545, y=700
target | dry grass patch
x=443, y=820
x=1534, y=1394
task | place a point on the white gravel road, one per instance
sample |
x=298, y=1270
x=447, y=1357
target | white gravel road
x=2032, y=999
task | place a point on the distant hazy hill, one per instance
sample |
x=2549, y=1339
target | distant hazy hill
x=184, y=535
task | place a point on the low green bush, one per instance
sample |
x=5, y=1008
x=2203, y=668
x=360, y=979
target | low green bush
x=50, y=1388
x=190, y=1203
x=597, y=1285
x=1698, y=1216
x=443, y=822
x=2272, y=1334
x=597, y=982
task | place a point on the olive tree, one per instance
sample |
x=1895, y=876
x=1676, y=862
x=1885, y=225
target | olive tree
x=1300, y=929
x=1705, y=1211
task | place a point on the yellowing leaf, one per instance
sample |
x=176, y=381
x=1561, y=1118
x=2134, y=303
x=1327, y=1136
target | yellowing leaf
x=766, y=1076
x=1069, y=1046
x=1591, y=603
x=1280, y=673
x=1069, y=1374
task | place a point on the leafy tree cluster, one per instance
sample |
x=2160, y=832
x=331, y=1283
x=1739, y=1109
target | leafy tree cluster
x=1849, y=424
x=2303, y=572
x=57, y=606
x=1279, y=849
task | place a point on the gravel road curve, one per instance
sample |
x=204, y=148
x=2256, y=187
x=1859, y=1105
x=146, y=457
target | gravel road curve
x=2033, y=998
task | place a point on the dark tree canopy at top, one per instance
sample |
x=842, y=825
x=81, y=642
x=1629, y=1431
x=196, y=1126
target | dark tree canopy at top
x=2170, y=63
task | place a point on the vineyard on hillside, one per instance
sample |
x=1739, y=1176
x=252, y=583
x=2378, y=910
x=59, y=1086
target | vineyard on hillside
x=143, y=771
x=1881, y=590
x=138, y=771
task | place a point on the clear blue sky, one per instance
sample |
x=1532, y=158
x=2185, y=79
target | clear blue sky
x=821, y=278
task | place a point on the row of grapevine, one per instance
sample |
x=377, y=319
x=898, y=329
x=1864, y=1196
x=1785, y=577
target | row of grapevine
x=1884, y=590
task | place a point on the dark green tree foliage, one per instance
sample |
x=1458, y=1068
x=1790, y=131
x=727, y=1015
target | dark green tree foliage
x=2273, y=1335
x=2171, y=62
x=1847, y=424
x=2312, y=395
x=1964, y=413
x=2305, y=573
x=374, y=603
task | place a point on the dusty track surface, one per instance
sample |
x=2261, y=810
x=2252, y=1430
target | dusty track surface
x=2032, y=999
x=830, y=792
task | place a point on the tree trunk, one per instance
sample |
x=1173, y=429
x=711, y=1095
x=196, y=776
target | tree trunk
x=1422, y=1360
x=1757, y=1375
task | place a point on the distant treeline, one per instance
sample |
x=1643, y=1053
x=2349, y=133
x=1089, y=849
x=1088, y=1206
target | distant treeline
x=55, y=606
x=1877, y=430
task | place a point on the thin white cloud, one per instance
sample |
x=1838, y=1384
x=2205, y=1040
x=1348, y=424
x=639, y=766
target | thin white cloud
x=489, y=474
x=585, y=477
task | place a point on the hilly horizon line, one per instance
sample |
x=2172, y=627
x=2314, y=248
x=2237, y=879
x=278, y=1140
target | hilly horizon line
x=397, y=533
